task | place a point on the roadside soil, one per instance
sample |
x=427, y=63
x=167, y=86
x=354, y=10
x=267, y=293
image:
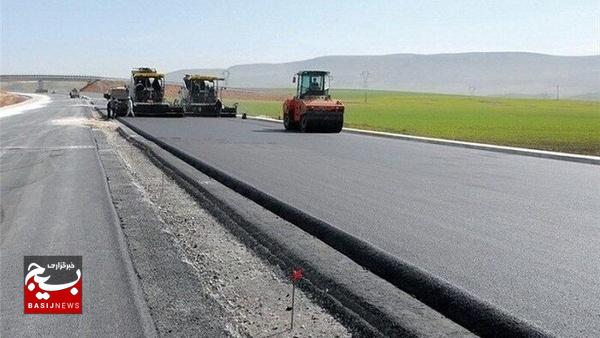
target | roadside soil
x=101, y=86
x=7, y=99
x=172, y=91
x=255, y=294
x=254, y=94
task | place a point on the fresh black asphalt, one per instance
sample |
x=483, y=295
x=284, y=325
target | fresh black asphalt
x=517, y=231
x=55, y=202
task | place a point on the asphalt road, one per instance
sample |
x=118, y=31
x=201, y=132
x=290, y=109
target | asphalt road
x=55, y=202
x=520, y=232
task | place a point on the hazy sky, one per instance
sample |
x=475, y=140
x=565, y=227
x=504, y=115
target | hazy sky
x=109, y=37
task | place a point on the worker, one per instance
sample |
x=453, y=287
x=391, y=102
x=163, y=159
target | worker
x=314, y=85
x=108, y=110
x=130, y=107
x=211, y=91
x=313, y=88
x=156, y=85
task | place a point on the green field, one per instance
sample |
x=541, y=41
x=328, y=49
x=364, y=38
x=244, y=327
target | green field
x=565, y=125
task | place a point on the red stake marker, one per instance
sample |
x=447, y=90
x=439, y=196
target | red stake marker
x=297, y=275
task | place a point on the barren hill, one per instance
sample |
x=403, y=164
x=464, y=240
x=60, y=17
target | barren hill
x=497, y=73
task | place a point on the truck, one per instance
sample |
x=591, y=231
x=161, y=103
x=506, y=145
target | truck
x=200, y=97
x=312, y=108
x=117, y=101
x=74, y=93
x=147, y=91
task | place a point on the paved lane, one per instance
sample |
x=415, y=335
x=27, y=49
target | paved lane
x=55, y=202
x=520, y=232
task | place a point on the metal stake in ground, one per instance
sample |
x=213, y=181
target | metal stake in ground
x=297, y=274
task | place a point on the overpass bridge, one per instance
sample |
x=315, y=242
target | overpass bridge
x=45, y=77
x=40, y=78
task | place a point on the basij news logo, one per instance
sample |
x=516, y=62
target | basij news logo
x=52, y=284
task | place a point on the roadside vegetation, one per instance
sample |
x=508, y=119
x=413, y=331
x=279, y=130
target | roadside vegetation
x=564, y=125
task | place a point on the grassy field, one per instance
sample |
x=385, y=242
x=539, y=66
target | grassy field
x=565, y=125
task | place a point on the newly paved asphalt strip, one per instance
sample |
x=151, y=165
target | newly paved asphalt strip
x=520, y=232
x=54, y=201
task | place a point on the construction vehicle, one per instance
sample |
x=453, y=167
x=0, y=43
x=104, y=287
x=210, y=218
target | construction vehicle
x=117, y=101
x=147, y=91
x=201, y=97
x=312, y=108
x=74, y=93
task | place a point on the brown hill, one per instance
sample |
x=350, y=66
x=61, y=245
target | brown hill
x=8, y=98
x=101, y=86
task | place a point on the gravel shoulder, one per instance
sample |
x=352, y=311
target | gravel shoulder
x=234, y=292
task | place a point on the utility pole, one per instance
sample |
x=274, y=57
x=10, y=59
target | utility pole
x=472, y=90
x=557, y=92
x=225, y=74
x=365, y=76
x=40, y=86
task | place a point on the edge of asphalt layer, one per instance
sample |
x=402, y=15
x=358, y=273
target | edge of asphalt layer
x=469, y=311
x=367, y=304
x=589, y=159
x=172, y=303
x=136, y=289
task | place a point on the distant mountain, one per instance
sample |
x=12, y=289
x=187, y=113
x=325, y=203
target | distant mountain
x=494, y=73
x=177, y=76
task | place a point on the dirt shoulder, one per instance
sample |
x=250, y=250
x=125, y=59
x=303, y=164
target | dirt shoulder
x=6, y=99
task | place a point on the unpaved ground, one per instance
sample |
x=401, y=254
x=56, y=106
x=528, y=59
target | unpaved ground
x=255, y=94
x=172, y=91
x=255, y=294
x=7, y=99
x=101, y=86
